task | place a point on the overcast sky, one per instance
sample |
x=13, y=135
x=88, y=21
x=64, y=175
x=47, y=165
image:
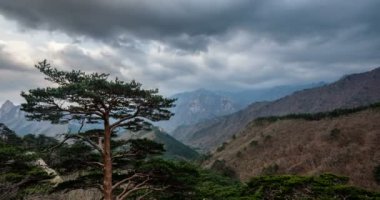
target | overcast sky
x=177, y=45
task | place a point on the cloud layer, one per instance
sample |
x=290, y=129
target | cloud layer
x=182, y=45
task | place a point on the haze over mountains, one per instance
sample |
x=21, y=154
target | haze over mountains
x=212, y=122
x=205, y=119
x=191, y=107
x=350, y=91
x=199, y=105
x=14, y=118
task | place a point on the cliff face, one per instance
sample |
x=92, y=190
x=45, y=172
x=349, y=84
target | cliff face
x=350, y=91
x=199, y=105
x=347, y=145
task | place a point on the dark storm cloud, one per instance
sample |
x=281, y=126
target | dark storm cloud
x=241, y=42
x=109, y=19
x=168, y=20
x=296, y=19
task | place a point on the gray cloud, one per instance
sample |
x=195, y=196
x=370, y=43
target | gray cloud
x=7, y=63
x=108, y=20
x=71, y=56
x=181, y=45
x=14, y=78
x=169, y=20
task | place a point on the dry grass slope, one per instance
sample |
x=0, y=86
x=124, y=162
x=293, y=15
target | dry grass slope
x=347, y=145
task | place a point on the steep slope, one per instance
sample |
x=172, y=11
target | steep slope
x=348, y=145
x=195, y=106
x=174, y=148
x=350, y=91
x=206, y=130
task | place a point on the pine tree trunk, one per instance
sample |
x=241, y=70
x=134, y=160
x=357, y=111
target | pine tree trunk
x=107, y=169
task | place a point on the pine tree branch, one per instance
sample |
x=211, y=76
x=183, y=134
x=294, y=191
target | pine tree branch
x=151, y=190
x=73, y=112
x=120, y=122
x=76, y=136
x=116, y=185
x=140, y=186
x=97, y=163
x=120, y=155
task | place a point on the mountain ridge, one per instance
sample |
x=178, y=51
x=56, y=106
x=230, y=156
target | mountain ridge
x=350, y=91
x=202, y=104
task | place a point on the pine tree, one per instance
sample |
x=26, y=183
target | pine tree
x=93, y=98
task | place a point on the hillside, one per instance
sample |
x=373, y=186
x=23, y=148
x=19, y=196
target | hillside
x=200, y=105
x=344, y=144
x=350, y=91
x=8, y=136
x=173, y=148
x=193, y=107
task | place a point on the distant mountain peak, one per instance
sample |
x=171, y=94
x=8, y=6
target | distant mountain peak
x=7, y=104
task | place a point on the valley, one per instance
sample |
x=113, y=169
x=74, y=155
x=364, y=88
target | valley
x=329, y=131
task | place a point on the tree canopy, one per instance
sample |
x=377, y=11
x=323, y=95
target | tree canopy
x=94, y=98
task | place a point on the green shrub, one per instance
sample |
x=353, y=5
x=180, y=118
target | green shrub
x=221, y=167
x=325, y=186
x=334, y=133
x=221, y=147
x=270, y=170
x=253, y=143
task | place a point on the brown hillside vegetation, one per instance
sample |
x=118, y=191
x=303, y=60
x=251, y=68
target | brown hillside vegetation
x=351, y=91
x=347, y=145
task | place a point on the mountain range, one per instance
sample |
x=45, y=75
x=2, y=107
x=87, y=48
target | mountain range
x=350, y=91
x=200, y=105
x=12, y=119
x=344, y=142
x=15, y=119
x=205, y=119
